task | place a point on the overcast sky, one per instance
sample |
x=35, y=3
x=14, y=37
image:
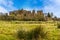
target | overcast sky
x=45, y=5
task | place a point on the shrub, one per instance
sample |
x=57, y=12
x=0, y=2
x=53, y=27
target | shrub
x=38, y=32
x=58, y=25
x=32, y=34
x=21, y=34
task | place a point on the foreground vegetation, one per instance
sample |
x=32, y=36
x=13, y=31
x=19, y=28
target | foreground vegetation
x=9, y=29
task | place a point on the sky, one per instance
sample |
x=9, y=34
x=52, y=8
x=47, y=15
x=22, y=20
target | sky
x=45, y=5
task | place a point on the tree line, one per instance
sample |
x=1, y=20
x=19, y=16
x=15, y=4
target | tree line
x=24, y=15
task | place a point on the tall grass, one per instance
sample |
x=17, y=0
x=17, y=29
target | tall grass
x=34, y=34
x=58, y=25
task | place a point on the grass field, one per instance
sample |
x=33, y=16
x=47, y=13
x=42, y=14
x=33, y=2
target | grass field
x=8, y=29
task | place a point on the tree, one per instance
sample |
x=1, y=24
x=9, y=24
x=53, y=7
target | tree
x=33, y=12
x=48, y=15
x=55, y=18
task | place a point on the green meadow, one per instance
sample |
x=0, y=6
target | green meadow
x=8, y=29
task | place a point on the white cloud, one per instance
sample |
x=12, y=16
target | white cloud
x=3, y=10
x=29, y=9
x=7, y=5
x=56, y=1
x=54, y=7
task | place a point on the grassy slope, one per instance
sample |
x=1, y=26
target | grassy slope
x=9, y=29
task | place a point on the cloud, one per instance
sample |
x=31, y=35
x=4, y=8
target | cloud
x=53, y=6
x=3, y=10
x=48, y=6
x=7, y=5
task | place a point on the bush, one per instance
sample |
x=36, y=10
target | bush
x=32, y=34
x=58, y=25
x=38, y=32
x=21, y=34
